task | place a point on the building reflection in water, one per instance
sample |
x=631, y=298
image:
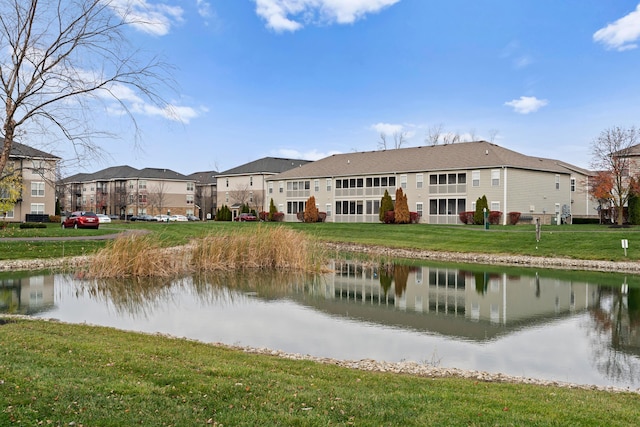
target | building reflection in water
x=471, y=304
x=26, y=295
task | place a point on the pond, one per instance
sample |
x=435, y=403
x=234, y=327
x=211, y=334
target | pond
x=577, y=327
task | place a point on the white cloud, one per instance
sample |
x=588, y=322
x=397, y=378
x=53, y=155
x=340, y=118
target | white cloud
x=622, y=34
x=304, y=155
x=387, y=128
x=155, y=19
x=527, y=104
x=291, y=15
x=204, y=8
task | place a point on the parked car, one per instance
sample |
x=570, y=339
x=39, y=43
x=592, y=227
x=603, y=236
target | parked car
x=246, y=217
x=81, y=219
x=192, y=218
x=162, y=218
x=103, y=219
x=147, y=218
x=180, y=218
x=114, y=217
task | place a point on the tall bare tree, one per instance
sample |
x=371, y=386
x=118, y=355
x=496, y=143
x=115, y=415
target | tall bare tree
x=399, y=140
x=612, y=155
x=157, y=196
x=433, y=134
x=58, y=58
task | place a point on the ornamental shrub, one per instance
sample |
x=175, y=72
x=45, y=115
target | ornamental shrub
x=494, y=217
x=481, y=205
x=311, y=210
x=272, y=209
x=514, y=217
x=386, y=204
x=402, y=208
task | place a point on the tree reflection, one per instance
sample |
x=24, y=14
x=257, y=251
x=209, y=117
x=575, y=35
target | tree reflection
x=614, y=333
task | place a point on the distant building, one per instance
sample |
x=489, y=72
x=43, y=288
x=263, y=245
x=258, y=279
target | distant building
x=247, y=184
x=38, y=172
x=206, y=194
x=440, y=183
x=126, y=191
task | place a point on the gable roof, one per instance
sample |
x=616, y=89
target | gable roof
x=24, y=151
x=127, y=172
x=266, y=165
x=464, y=155
x=205, y=177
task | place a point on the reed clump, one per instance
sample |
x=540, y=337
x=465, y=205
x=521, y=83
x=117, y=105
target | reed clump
x=250, y=248
x=137, y=256
x=259, y=247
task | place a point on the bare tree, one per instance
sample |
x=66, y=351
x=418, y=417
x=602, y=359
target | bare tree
x=433, y=134
x=60, y=57
x=493, y=133
x=157, y=196
x=450, y=138
x=241, y=194
x=612, y=155
x=399, y=140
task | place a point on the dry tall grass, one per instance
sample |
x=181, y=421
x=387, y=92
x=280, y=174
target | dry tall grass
x=259, y=247
x=137, y=256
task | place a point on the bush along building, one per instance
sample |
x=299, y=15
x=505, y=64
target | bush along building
x=441, y=183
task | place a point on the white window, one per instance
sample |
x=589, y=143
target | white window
x=226, y=197
x=142, y=185
x=328, y=209
x=495, y=206
x=250, y=180
x=37, y=189
x=419, y=209
x=557, y=182
x=495, y=177
x=475, y=178
x=37, y=208
x=328, y=184
x=281, y=189
x=227, y=182
x=251, y=196
x=557, y=208
x=573, y=184
x=190, y=186
x=403, y=181
x=270, y=187
x=419, y=180
x=9, y=214
x=189, y=199
x=316, y=185
x=280, y=207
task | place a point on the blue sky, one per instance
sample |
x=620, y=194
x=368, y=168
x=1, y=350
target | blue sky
x=309, y=78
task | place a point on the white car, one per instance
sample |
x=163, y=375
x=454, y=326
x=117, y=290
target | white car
x=102, y=218
x=162, y=218
x=180, y=218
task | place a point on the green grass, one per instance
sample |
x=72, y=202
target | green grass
x=572, y=241
x=57, y=374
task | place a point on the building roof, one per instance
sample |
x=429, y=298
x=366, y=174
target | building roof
x=205, y=177
x=464, y=155
x=127, y=172
x=266, y=165
x=24, y=151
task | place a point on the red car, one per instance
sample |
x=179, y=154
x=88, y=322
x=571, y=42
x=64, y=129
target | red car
x=81, y=219
x=246, y=217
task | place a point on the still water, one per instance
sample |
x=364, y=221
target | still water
x=565, y=326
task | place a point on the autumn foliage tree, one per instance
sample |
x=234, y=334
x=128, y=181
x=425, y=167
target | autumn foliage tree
x=401, y=210
x=617, y=176
x=10, y=190
x=311, y=210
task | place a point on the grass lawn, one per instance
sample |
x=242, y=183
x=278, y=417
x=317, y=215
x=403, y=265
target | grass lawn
x=57, y=374
x=572, y=241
